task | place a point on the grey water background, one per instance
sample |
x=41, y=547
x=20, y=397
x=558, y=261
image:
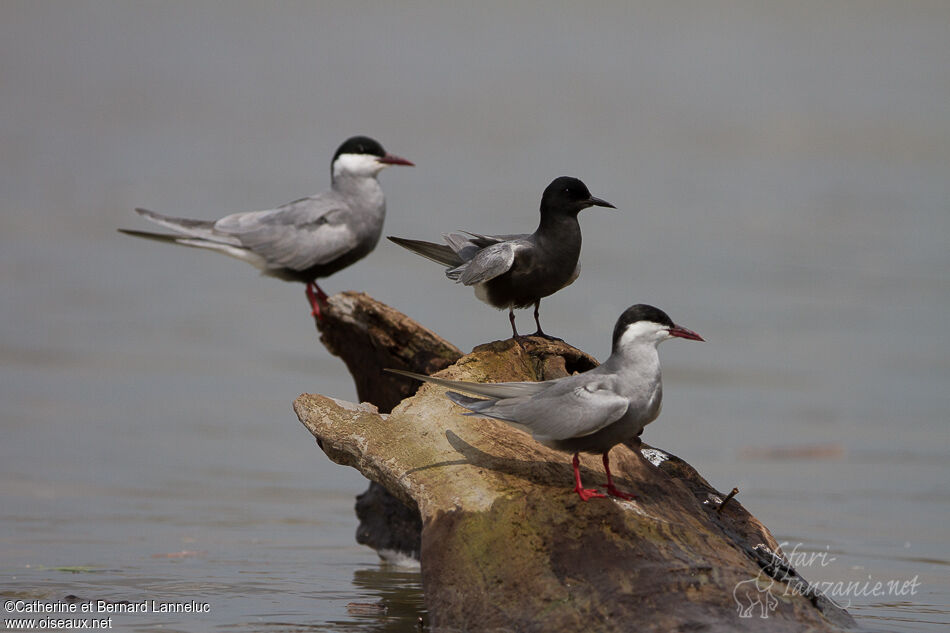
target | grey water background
x=782, y=172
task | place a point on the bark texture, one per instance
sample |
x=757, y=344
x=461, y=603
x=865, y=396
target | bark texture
x=368, y=336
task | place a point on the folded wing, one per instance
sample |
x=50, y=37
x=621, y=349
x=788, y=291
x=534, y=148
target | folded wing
x=490, y=262
x=569, y=408
x=558, y=409
x=298, y=235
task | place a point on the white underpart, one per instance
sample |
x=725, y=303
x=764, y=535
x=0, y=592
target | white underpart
x=357, y=165
x=643, y=333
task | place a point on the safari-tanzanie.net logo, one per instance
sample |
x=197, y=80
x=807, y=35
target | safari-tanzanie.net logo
x=759, y=596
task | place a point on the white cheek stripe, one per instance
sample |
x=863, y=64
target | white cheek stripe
x=361, y=164
x=642, y=330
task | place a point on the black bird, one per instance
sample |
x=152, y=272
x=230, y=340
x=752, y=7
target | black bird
x=517, y=271
x=307, y=239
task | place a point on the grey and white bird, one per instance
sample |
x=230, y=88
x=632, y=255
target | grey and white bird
x=516, y=271
x=589, y=412
x=307, y=239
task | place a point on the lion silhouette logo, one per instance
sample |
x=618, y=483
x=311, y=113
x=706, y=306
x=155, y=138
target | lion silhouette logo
x=755, y=591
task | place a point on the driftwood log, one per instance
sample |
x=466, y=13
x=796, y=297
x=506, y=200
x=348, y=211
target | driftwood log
x=506, y=545
x=370, y=336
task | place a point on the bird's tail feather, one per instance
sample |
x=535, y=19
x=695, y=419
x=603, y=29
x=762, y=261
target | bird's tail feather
x=158, y=237
x=484, y=408
x=472, y=404
x=479, y=406
x=193, y=228
x=494, y=390
x=236, y=252
x=439, y=253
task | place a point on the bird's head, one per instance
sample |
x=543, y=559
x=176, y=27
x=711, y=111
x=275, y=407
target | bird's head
x=363, y=156
x=642, y=325
x=569, y=195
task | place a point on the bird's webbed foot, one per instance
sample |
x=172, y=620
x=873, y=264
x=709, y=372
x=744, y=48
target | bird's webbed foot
x=613, y=491
x=588, y=493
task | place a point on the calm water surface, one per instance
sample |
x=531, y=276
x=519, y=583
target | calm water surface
x=782, y=179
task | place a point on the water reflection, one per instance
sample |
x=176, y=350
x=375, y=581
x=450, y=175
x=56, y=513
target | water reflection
x=391, y=601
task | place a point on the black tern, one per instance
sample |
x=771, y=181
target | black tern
x=307, y=239
x=516, y=271
x=589, y=412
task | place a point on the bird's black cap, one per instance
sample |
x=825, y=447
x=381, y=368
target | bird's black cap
x=567, y=194
x=639, y=312
x=360, y=145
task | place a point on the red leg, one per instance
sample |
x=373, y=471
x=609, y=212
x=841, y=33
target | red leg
x=583, y=493
x=315, y=298
x=321, y=295
x=611, y=489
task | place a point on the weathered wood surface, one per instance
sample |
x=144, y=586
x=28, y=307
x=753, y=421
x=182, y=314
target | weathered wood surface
x=508, y=546
x=368, y=336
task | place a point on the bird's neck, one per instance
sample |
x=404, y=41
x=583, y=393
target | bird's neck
x=560, y=227
x=362, y=189
x=639, y=361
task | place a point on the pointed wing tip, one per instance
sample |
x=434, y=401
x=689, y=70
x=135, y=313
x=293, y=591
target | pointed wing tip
x=407, y=374
x=402, y=241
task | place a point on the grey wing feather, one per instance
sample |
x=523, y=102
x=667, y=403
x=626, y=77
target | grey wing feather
x=487, y=240
x=490, y=262
x=298, y=235
x=475, y=407
x=470, y=403
x=158, y=237
x=468, y=244
x=202, y=229
x=456, y=241
x=439, y=253
x=557, y=409
x=487, y=389
x=572, y=409
x=462, y=246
